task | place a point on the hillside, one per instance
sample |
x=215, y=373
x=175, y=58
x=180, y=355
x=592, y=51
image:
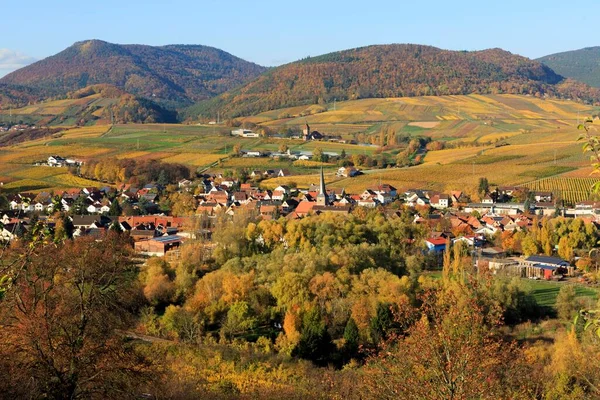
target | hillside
x=582, y=65
x=91, y=105
x=510, y=139
x=172, y=75
x=399, y=70
x=17, y=96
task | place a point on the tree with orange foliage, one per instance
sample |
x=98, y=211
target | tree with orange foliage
x=59, y=322
x=453, y=352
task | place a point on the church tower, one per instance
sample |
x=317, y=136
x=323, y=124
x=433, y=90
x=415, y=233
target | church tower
x=306, y=133
x=322, y=196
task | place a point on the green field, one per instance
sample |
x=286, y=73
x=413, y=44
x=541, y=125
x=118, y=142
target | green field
x=545, y=293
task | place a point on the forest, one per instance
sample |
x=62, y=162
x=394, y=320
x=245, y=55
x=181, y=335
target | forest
x=136, y=172
x=326, y=307
x=393, y=71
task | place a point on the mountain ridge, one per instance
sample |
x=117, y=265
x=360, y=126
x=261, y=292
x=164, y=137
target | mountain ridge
x=396, y=70
x=173, y=75
x=582, y=64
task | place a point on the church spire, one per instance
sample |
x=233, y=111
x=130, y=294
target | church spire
x=322, y=195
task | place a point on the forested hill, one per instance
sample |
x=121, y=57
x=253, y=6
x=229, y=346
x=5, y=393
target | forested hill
x=13, y=96
x=172, y=75
x=582, y=65
x=392, y=71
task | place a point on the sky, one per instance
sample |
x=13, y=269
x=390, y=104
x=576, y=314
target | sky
x=272, y=33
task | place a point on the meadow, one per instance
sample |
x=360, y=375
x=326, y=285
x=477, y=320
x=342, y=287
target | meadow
x=508, y=139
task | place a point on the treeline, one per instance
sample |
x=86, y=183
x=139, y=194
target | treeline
x=14, y=137
x=133, y=171
x=392, y=71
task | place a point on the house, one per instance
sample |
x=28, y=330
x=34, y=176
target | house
x=281, y=173
x=56, y=161
x=487, y=199
x=11, y=231
x=245, y=133
x=440, y=201
x=543, y=197
x=251, y=153
x=347, y=172
x=436, y=245
x=184, y=184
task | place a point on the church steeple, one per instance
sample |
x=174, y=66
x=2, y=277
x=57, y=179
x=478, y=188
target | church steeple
x=322, y=196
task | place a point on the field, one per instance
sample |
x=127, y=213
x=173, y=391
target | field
x=572, y=190
x=507, y=139
x=545, y=292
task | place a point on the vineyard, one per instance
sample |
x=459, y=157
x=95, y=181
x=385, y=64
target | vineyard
x=572, y=190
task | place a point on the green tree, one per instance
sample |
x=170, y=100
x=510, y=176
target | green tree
x=351, y=339
x=382, y=323
x=483, y=187
x=163, y=178
x=115, y=208
x=315, y=342
x=239, y=319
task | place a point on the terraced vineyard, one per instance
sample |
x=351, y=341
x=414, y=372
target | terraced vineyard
x=572, y=190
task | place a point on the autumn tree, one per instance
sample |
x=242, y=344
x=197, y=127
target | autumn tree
x=59, y=323
x=453, y=352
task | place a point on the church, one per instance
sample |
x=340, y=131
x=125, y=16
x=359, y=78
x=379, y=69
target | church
x=308, y=135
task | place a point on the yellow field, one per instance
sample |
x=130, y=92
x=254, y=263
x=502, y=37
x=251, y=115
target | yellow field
x=194, y=159
x=540, y=137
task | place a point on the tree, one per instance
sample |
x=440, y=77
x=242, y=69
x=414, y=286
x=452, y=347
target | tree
x=318, y=154
x=315, y=343
x=483, y=187
x=566, y=303
x=115, y=208
x=382, y=323
x=283, y=148
x=454, y=351
x=59, y=322
x=351, y=339
x=239, y=319
x=163, y=178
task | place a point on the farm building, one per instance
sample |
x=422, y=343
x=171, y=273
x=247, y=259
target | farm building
x=544, y=267
x=159, y=246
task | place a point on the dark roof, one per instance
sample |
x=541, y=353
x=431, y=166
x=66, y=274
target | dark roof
x=548, y=260
x=168, y=239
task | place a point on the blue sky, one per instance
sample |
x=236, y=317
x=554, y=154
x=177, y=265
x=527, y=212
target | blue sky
x=275, y=32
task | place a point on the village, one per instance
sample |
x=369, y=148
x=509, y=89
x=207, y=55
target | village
x=449, y=218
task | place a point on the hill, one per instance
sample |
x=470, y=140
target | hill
x=91, y=105
x=17, y=96
x=172, y=75
x=399, y=70
x=582, y=65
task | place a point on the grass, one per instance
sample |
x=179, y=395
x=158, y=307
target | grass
x=545, y=292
